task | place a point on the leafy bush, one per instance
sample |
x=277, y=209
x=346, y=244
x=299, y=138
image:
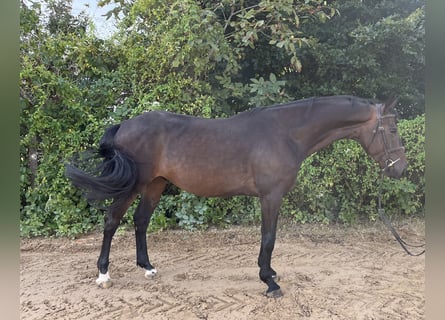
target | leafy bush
x=192, y=212
x=372, y=49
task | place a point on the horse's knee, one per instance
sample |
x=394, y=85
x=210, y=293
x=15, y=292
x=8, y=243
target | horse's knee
x=111, y=224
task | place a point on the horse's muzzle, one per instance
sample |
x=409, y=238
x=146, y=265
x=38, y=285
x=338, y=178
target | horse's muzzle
x=395, y=169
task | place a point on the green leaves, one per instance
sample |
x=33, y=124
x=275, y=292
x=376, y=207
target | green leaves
x=267, y=92
x=59, y=71
x=371, y=49
x=193, y=213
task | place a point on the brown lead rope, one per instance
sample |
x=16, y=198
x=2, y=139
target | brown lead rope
x=388, y=224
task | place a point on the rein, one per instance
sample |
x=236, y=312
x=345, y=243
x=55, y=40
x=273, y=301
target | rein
x=389, y=162
x=388, y=224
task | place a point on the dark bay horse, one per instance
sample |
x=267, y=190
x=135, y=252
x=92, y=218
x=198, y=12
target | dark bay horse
x=255, y=153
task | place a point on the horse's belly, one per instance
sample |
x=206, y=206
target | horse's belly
x=213, y=184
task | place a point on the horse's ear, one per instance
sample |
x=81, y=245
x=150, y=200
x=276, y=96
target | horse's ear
x=390, y=104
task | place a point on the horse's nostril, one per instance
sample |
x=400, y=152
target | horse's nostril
x=405, y=168
x=401, y=171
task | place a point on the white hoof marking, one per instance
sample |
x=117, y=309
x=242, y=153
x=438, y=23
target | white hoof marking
x=150, y=273
x=103, y=278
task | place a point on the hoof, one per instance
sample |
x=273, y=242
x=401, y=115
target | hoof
x=106, y=284
x=274, y=294
x=149, y=274
x=104, y=281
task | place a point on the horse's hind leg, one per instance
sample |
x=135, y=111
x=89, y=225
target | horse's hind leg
x=149, y=200
x=112, y=220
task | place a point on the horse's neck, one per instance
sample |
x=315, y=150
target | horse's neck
x=323, y=138
x=326, y=124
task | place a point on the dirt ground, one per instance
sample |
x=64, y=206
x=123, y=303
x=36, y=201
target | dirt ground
x=327, y=272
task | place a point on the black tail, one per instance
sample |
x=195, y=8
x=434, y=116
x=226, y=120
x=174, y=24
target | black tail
x=115, y=178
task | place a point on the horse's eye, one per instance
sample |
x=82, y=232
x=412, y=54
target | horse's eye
x=393, y=129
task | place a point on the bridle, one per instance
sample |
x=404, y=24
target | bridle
x=389, y=162
x=380, y=130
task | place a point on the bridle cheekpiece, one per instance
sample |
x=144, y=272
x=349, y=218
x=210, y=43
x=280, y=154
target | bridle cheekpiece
x=380, y=129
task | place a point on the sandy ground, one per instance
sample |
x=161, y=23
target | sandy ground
x=327, y=272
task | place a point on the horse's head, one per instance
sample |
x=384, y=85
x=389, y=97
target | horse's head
x=383, y=141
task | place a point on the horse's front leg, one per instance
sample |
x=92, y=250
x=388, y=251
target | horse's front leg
x=269, y=209
x=149, y=200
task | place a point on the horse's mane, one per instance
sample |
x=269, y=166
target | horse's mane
x=312, y=100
